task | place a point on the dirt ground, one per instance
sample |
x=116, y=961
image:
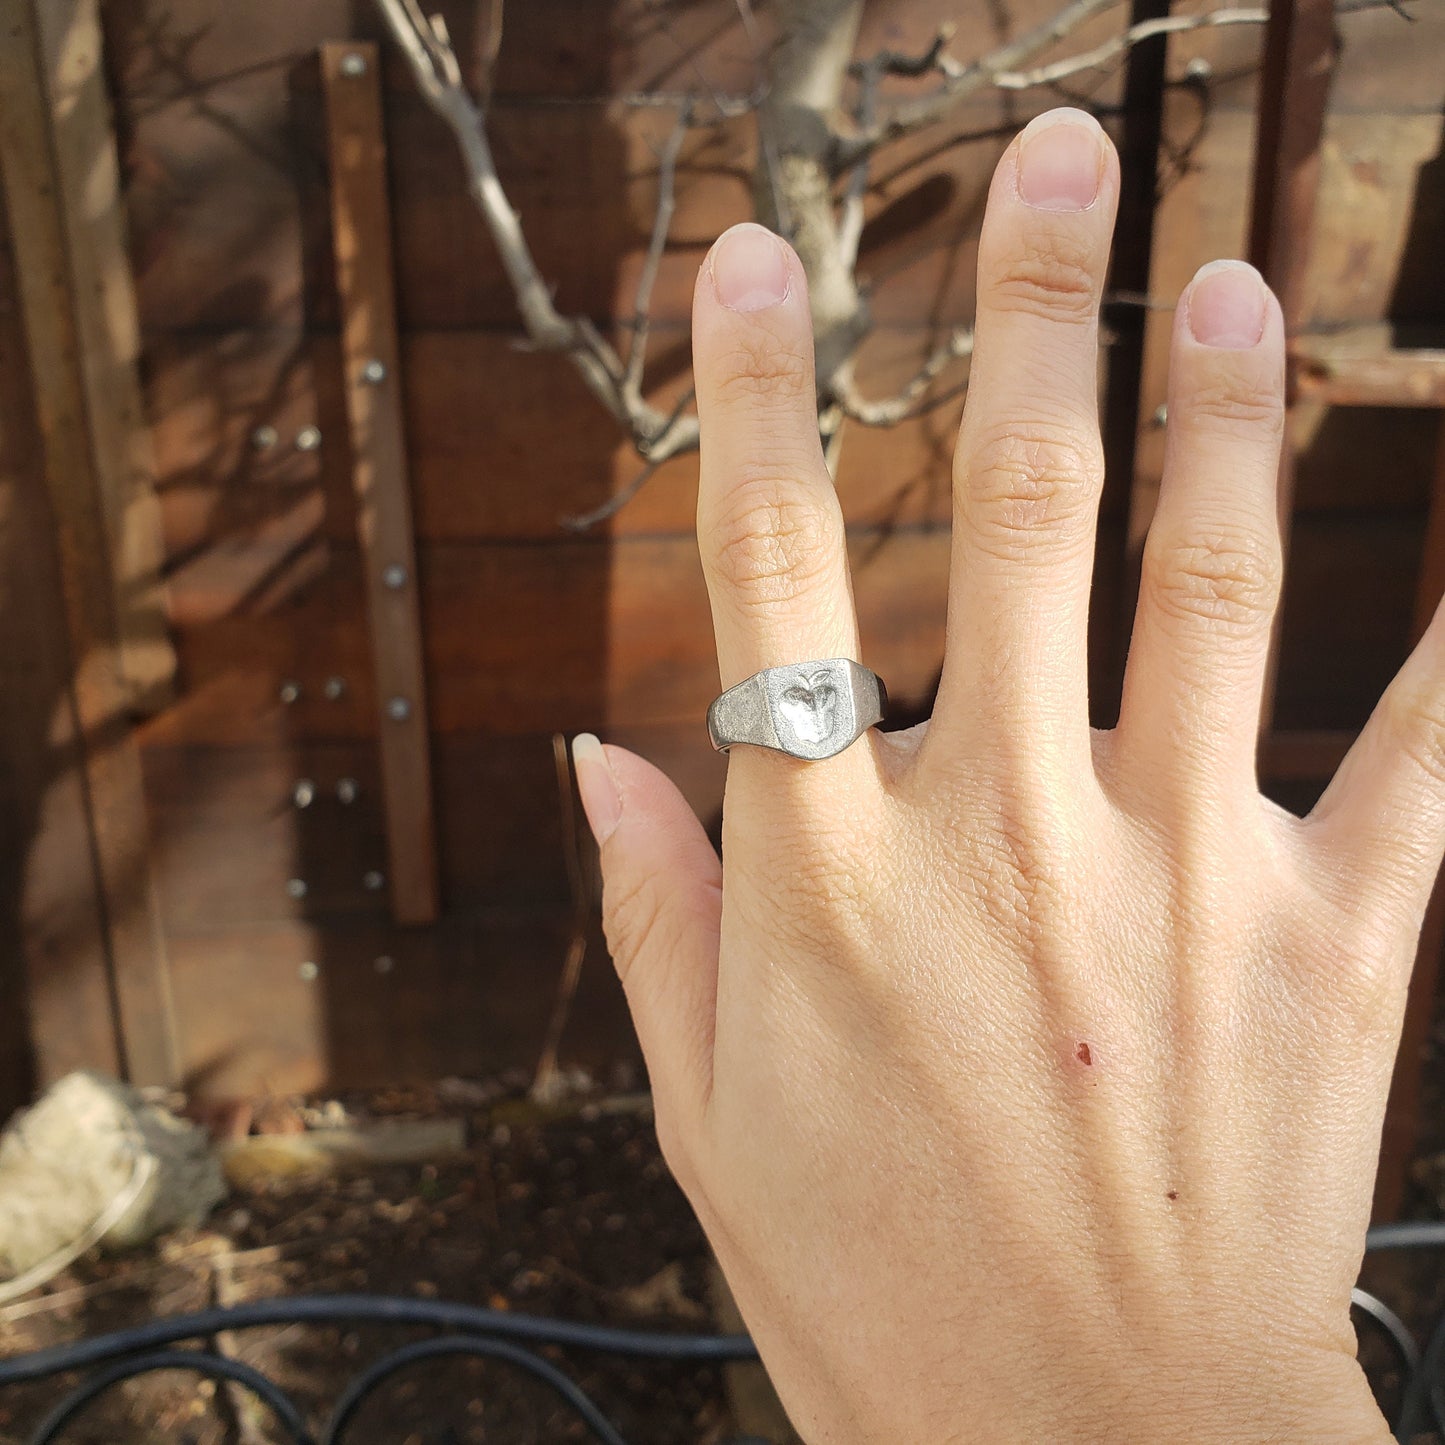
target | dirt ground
x=570, y=1214
x=573, y=1216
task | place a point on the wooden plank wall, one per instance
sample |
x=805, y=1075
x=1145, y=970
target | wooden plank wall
x=530, y=628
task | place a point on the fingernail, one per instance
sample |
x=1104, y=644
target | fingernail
x=749, y=268
x=1061, y=161
x=1226, y=304
x=600, y=799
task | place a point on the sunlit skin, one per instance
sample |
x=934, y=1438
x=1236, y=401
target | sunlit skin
x=1027, y=1079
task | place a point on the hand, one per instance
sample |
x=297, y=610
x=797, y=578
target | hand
x=1028, y=1081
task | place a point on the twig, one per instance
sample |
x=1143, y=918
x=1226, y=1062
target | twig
x=961, y=81
x=434, y=66
x=767, y=142
x=911, y=400
x=661, y=225
x=1003, y=68
x=545, y=1081
x=491, y=49
x=1116, y=45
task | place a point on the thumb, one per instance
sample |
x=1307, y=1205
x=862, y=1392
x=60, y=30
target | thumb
x=662, y=911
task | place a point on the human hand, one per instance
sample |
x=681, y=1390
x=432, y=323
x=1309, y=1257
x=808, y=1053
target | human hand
x=1027, y=1080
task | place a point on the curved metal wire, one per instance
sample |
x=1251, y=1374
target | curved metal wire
x=501, y=1335
x=196, y=1362
x=379, y=1373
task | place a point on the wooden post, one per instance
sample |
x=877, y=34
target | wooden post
x=361, y=240
x=1294, y=92
x=87, y=198
x=103, y=746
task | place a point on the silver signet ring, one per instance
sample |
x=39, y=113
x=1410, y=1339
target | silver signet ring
x=809, y=710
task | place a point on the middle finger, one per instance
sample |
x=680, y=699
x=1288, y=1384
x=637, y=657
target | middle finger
x=1029, y=465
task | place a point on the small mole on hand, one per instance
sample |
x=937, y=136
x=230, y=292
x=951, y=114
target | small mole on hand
x=1084, y=1055
x=1172, y=1195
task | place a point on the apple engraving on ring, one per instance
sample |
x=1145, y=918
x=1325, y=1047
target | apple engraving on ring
x=810, y=706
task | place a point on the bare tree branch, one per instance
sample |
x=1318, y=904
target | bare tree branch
x=434, y=66
x=1004, y=68
x=585, y=521
x=661, y=225
x=912, y=400
x=1117, y=44
x=961, y=81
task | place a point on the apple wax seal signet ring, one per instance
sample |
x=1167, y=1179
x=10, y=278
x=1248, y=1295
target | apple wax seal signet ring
x=809, y=710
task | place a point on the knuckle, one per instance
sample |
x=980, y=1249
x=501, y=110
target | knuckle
x=759, y=367
x=773, y=541
x=1030, y=480
x=1229, y=581
x=1050, y=272
x=1232, y=404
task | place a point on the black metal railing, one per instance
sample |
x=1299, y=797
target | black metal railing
x=516, y=1340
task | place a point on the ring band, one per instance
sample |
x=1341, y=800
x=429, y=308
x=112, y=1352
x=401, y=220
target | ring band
x=809, y=710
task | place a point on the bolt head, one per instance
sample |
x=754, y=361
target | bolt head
x=309, y=972
x=394, y=576
x=263, y=438
x=334, y=688
x=296, y=888
x=308, y=439
x=304, y=793
x=374, y=880
x=398, y=709
x=374, y=372
x=353, y=65
x=348, y=790
x=289, y=692
x=384, y=963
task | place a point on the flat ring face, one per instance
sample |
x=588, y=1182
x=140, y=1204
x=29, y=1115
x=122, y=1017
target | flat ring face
x=809, y=710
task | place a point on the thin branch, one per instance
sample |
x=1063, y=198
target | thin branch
x=433, y=63
x=661, y=225
x=911, y=401
x=1117, y=44
x=585, y=521
x=960, y=81
x=491, y=48
x=1004, y=68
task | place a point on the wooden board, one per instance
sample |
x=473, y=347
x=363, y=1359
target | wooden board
x=470, y=997
x=101, y=740
x=92, y=226
x=54, y=971
x=230, y=841
x=370, y=359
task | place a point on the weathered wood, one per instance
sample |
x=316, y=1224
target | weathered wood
x=54, y=974
x=1365, y=367
x=361, y=243
x=458, y=998
x=86, y=193
x=523, y=639
x=117, y=823
x=231, y=841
